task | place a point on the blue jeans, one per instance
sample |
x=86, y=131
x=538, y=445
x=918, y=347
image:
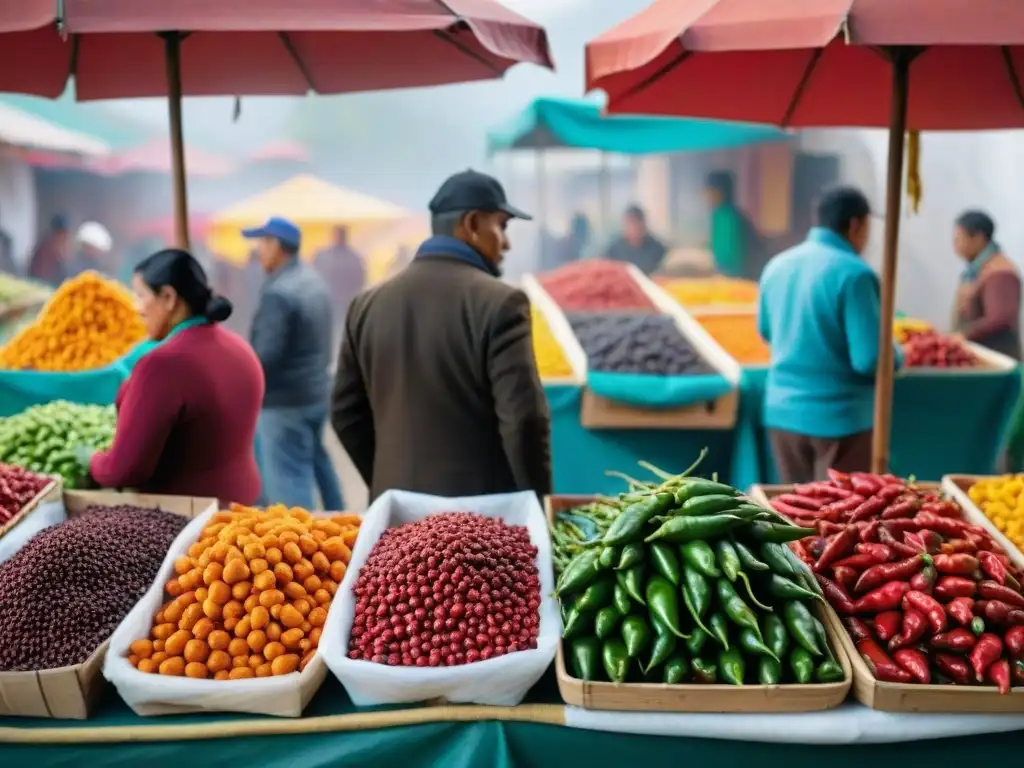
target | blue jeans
x=293, y=459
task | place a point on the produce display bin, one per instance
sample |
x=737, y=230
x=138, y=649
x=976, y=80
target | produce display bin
x=50, y=493
x=988, y=361
x=901, y=697
x=561, y=330
x=661, y=697
x=70, y=693
x=957, y=487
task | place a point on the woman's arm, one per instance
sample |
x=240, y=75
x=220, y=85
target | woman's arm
x=151, y=403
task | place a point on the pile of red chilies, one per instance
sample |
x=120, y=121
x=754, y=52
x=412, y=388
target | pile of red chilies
x=926, y=596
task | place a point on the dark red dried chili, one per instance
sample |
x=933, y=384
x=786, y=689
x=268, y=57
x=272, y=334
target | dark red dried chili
x=835, y=548
x=924, y=580
x=837, y=595
x=985, y=652
x=880, y=574
x=992, y=567
x=954, y=666
x=929, y=606
x=951, y=587
x=961, y=610
x=959, y=639
x=884, y=598
x=914, y=662
x=887, y=624
x=956, y=565
x=990, y=590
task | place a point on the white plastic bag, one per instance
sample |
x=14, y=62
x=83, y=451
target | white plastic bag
x=46, y=514
x=501, y=680
x=152, y=694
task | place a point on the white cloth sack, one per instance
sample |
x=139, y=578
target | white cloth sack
x=151, y=694
x=501, y=680
x=41, y=517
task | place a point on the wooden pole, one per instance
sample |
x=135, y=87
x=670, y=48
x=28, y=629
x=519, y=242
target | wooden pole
x=605, y=183
x=900, y=59
x=172, y=55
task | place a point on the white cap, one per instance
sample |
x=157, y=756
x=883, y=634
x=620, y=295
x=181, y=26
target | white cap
x=96, y=235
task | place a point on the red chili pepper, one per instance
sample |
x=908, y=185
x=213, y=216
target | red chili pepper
x=887, y=625
x=948, y=527
x=858, y=562
x=992, y=567
x=844, y=576
x=828, y=528
x=788, y=510
x=961, y=609
x=915, y=540
x=956, y=565
x=898, y=548
x=837, y=595
x=958, y=639
x=869, y=509
x=955, y=667
x=912, y=629
x=1014, y=640
x=798, y=500
x=800, y=548
x=999, y=675
x=929, y=606
x=890, y=673
x=999, y=612
x=880, y=574
x=927, y=541
x=950, y=587
x=914, y=662
x=873, y=653
x=942, y=508
x=821, y=490
x=857, y=628
x=958, y=545
x=887, y=478
x=990, y=590
x=835, y=548
x=880, y=552
x=902, y=525
x=984, y=654
x=924, y=580
x=839, y=479
x=869, y=530
x=865, y=484
x=882, y=599
x=902, y=507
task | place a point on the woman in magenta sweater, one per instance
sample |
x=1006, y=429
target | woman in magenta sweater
x=187, y=415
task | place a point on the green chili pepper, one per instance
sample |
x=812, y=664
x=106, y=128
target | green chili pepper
x=704, y=671
x=635, y=634
x=699, y=556
x=675, y=670
x=597, y=595
x=775, y=635
x=701, y=506
x=747, y=558
x=699, y=590
x=620, y=598
x=698, y=639
x=681, y=529
x=631, y=555
x=577, y=622
x=822, y=637
x=663, y=604
x=609, y=557
x=776, y=532
x=615, y=660
x=580, y=572
x=632, y=581
x=802, y=664
x=752, y=644
x=586, y=658
x=775, y=556
x=664, y=644
x=830, y=671
x=664, y=560
x=694, y=613
x=732, y=665
x=800, y=624
x=698, y=487
x=607, y=620
x=750, y=593
x=630, y=523
x=748, y=512
x=803, y=575
x=719, y=628
x=737, y=610
x=786, y=589
x=728, y=560
x=769, y=671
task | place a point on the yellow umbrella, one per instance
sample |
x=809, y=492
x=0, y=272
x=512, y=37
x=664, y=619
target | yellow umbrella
x=312, y=204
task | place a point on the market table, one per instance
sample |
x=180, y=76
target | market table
x=334, y=733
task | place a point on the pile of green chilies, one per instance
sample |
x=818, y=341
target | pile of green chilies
x=683, y=579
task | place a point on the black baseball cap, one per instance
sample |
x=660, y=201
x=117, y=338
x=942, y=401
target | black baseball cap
x=473, y=191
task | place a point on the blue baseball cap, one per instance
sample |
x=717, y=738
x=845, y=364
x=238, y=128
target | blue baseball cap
x=278, y=228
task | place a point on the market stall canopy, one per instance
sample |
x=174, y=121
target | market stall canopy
x=551, y=123
x=816, y=62
x=28, y=33
x=315, y=205
x=280, y=151
x=21, y=129
x=155, y=157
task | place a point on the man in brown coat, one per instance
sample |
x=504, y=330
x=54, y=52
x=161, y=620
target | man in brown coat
x=437, y=389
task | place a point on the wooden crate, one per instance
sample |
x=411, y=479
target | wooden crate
x=69, y=693
x=957, y=487
x=598, y=412
x=49, y=494
x=902, y=697
x=660, y=697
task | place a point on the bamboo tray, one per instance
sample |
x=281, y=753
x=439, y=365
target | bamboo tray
x=660, y=697
x=901, y=697
x=957, y=487
x=49, y=493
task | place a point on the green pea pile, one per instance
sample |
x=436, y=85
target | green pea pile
x=684, y=580
x=54, y=438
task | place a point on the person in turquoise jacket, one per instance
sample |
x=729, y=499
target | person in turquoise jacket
x=729, y=231
x=819, y=310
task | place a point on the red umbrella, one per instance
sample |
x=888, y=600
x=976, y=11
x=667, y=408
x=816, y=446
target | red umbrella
x=33, y=59
x=904, y=64
x=249, y=47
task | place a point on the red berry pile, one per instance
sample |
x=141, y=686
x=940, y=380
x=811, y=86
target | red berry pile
x=17, y=488
x=931, y=349
x=595, y=285
x=451, y=589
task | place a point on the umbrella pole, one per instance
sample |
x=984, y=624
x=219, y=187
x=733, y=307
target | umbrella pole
x=900, y=59
x=605, y=183
x=172, y=55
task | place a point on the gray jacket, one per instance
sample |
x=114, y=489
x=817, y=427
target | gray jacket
x=291, y=335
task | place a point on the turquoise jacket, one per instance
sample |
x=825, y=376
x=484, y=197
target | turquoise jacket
x=819, y=310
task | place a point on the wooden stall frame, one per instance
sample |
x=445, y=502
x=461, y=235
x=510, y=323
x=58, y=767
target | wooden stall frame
x=956, y=486
x=660, y=697
x=901, y=697
x=50, y=493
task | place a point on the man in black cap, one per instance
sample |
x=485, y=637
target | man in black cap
x=437, y=389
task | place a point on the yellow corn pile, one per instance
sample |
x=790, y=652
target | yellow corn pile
x=551, y=360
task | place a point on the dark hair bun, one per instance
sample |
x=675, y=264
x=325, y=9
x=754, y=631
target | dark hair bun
x=218, y=309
